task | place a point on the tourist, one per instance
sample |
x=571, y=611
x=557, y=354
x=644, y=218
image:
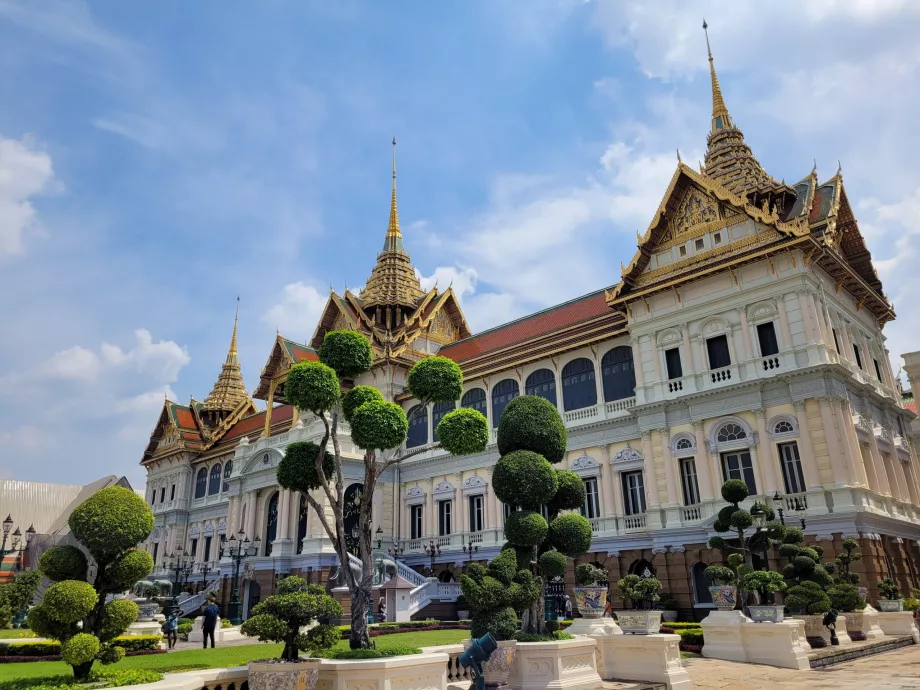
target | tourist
x=568, y=608
x=209, y=623
x=382, y=610
x=170, y=627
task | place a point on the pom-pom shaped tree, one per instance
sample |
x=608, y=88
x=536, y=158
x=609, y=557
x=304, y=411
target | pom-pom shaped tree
x=281, y=617
x=379, y=428
x=497, y=594
x=844, y=595
x=532, y=436
x=804, y=575
x=109, y=525
x=736, y=521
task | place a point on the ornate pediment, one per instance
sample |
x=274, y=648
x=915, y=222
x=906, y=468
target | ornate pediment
x=442, y=328
x=696, y=208
x=627, y=455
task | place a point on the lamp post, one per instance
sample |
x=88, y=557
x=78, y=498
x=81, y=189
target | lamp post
x=396, y=550
x=796, y=506
x=180, y=563
x=379, y=539
x=433, y=551
x=760, y=520
x=239, y=549
x=204, y=568
x=17, y=545
x=470, y=548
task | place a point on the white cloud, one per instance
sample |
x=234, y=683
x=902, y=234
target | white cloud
x=29, y=440
x=298, y=312
x=148, y=403
x=462, y=280
x=25, y=172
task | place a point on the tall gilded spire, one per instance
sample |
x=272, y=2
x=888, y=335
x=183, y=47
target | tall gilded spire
x=229, y=390
x=393, y=241
x=720, y=117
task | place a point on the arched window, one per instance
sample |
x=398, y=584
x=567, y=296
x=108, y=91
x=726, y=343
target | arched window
x=271, y=523
x=475, y=398
x=619, y=374
x=504, y=392
x=201, y=483
x=228, y=470
x=214, y=483
x=731, y=432
x=301, y=524
x=784, y=426
x=418, y=427
x=578, y=387
x=543, y=383
x=437, y=414
x=700, y=584
x=684, y=444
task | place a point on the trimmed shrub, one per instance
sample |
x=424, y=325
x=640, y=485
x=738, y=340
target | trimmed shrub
x=118, y=615
x=502, y=623
x=845, y=597
x=226, y=623
x=130, y=567
x=691, y=637
x=530, y=422
x=63, y=563
x=435, y=379
x=734, y=491
x=525, y=528
x=80, y=649
x=69, y=601
x=379, y=425
x=570, y=492
x=807, y=597
x=354, y=654
x=138, y=643
x=524, y=478
x=552, y=563
x=312, y=386
x=356, y=397
x=463, y=431
x=111, y=521
x=571, y=534
x=297, y=469
x=347, y=352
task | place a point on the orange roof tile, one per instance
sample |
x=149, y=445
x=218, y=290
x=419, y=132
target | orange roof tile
x=257, y=421
x=304, y=354
x=568, y=314
x=911, y=405
x=185, y=418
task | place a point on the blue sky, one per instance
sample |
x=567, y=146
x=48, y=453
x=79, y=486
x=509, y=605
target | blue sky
x=158, y=159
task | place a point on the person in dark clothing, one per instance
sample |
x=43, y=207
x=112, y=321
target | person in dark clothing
x=170, y=627
x=209, y=623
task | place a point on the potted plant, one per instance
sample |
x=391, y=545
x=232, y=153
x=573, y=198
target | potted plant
x=669, y=608
x=846, y=597
x=645, y=619
x=722, y=586
x=463, y=609
x=590, y=590
x=891, y=600
x=280, y=618
x=765, y=583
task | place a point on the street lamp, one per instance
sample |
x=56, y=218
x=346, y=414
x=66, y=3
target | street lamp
x=470, y=548
x=396, y=550
x=379, y=539
x=433, y=551
x=180, y=563
x=760, y=521
x=204, y=568
x=17, y=544
x=795, y=505
x=239, y=549
x=778, y=502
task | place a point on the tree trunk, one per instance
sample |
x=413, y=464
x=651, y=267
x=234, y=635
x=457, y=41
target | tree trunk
x=81, y=671
x=360, y=635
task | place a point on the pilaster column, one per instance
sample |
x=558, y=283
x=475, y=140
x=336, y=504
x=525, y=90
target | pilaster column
x=429, y=518
x=708, y=489
x=686, y=359
x=808, y=320
x=651, y=482
x=249, y=525
x=766, y=455
x=838, y=466
x=231, y=515
x=784, y=322
x=881, y=472
x=746, y=334
x=823, y=332
x=704, y=355
x=560, y=405
x=460, y=505
x=900, y=476
x=806, y=449
x=855, y=464
x=284, y=512
x=656, y=359
x=612, y=479
x=911, y=480
x=846, y=344
x=732, y=350
x=669, y=468
x=637, y=361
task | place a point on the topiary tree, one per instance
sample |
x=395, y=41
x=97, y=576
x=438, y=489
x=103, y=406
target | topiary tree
x=804, y=575
x=379, y=428
x=532, y=436
x=840, y=567
x=16, y=595
x=737, y=521
x=497, y=594
x=281, y=616
x=109, y=525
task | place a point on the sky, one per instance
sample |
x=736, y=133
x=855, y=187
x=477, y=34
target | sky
x=159, y=159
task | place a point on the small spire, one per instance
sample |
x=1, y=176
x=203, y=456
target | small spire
x=229, y=389
x=678, y=156
x=839, y=168
x=814, y=168
x=720, y=117
x=393, y=240
x=236, y=319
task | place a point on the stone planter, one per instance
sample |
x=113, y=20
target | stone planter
x=463, y=615
x=639, y=622
x=890, y=605
x=413, y=672
x=724, y=597
x=669, y=616
x=498, y=668
x=146, y=612
x=864, y=624
x=899, y=623
x=814, y=628
x=568, y=664
x=765, y=614
x=591, y=601
x=274, y=674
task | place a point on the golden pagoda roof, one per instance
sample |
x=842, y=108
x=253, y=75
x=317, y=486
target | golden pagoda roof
x=393, y=280
x=229, y=390
x=729, y=160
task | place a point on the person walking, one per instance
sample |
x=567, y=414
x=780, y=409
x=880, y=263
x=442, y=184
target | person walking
x=382, y=610
x=209, y=624
x=568, y=608
x=170, y=627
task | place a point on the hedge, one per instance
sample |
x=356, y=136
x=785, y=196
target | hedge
x=130, y=643
x=57, y=657
x=682, y=626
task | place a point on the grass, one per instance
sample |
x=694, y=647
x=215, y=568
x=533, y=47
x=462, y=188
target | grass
x=22, y=634
x=222, y=657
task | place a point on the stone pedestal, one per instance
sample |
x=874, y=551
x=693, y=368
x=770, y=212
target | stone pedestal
x=594, y=627
x=561, y=665
x=652, y=658
x=196, y=635
x=144, y=628
x=780, y=644
x=814, y=627
x=899, y=624
x=722, y=635
x=866, y=622
x=283, y=547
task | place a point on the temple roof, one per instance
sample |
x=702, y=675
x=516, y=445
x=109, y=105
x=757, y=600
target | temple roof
x=285, y=354
x=229, y=390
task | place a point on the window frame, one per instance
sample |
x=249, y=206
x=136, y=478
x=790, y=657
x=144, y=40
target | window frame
x=579, y=388
x=760, y=339
x=476, y=512
x=671, y=373
x=416, y=521
x=791, y=464
x=445, y=517
x=420, y=421
x=689, y=480
x=745, y=468
x=633, y=496
x=710, y=347
x=215, y=479
x=591, y=508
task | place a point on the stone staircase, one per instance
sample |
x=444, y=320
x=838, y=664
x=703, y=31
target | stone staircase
x=426, y=590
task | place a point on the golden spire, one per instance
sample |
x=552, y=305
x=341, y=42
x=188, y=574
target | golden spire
x=229, y=390
x=393, y=241
x=720, y=117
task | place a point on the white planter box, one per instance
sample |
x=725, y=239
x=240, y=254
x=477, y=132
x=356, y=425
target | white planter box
x=651, y=658
x=639, y=622
x=899, y=623
x=275, y=675
x=814, y=627
x=416, y=672
x=560, y=665
x=865, y=622
x=732, y=636
x=766, y=614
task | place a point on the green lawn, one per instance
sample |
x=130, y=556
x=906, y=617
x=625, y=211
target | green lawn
x=222, y=656
x=15, y=634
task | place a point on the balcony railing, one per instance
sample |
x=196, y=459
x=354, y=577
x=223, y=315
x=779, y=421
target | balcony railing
x=770, y=363
x=581, y=414
x=623, y=405
x=691, y=513
x=634, y=522
x=722, y=375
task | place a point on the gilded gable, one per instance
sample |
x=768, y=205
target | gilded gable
x=341, y=323
x=696, y=208
x=442, y=329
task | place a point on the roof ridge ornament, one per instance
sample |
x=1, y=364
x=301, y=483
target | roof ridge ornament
x=720, y=117
x=229, y=390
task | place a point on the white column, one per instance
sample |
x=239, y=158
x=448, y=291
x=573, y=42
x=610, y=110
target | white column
x=651, y=482
x=704, y=355
x=806, y=450
x=250, y=514
x=807, y=316
x=784, y=321
x=838, y=466
x=598, y=379
x=900, y=475
x=637, y=361
x=460, y=521
x=669, y=468
x=708, y=489
x=746, y=334
x=429, y=519
x=911, y=480
x=854, y=461
x=656, y=359
x=765, y=455
x=687, y=363
x=231, y=515
x=284, y=514
x=881, y=473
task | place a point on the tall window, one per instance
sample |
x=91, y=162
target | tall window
x=206, y=556
x=193, y=549
x=878, y=369
x=633, y=492
x=672, y=360
x=214, y=482
x=737, y=465
x=619, y=374
x=418, y=427
x=542, y=383
x=766, y=334
x=156, y=547
x=415, y=522
x=477, y=521
x=592, y=506
x=688, y=481
x=162, y=494
x=445, y=518
x=836, y=342
x=302, y=524
x=228, y=470
x=717, y=348
x=578, y=387
x=504, y=392
x=858, y=356
x=792, y=468
x=475, y=398
x=701, y=584
x=172, y=493
x=437, y=414
x=271, y=523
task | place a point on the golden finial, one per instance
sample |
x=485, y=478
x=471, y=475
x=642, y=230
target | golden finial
x=814, y=168
x=720, y=117
x=839, y=168
x=235, y=321
x=393, y=226
x=678, y=156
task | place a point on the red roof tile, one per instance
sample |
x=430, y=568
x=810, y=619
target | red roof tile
x=303, y=354
x=542, y=323
x=257, y=421
x=185, y=418
x=911, y=405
